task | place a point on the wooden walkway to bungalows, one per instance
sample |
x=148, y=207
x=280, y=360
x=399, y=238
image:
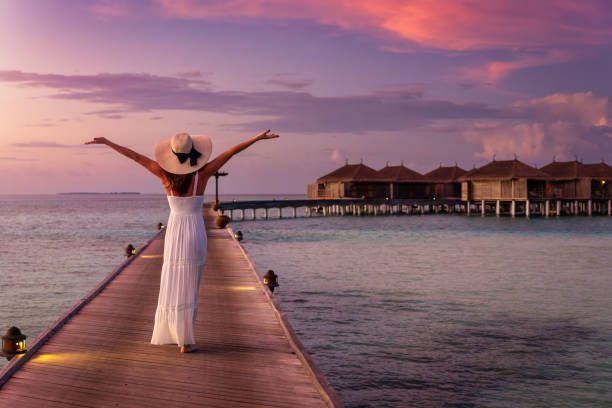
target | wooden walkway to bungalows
x=98, y=354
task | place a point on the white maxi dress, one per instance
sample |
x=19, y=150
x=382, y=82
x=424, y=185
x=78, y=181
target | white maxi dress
x=184, y=256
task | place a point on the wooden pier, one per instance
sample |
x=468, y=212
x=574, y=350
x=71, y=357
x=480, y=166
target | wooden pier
x=247, y=210
x=326, y=207
x=98, y=353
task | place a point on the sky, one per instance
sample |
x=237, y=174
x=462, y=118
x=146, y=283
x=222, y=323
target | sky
x=419, y=82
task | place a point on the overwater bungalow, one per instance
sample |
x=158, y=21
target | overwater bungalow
x=403, y=182
x=504, y=183
x=577, y=187
x=349, y=181
x=444, y=182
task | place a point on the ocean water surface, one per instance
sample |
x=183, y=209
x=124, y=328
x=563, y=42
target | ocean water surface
x=425, y=311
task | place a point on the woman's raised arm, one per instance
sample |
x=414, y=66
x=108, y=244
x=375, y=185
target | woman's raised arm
x=144, y=161
x=214, y=165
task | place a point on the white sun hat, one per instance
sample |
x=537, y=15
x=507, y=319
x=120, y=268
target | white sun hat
x=183, y=153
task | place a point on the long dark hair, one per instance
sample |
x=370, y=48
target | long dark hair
x=179, y=183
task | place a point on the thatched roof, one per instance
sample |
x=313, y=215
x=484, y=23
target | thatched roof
x=600, y=170
x=574, y=170
x=505, y=170
x=399, y=174
x=445, y=174
x=352, y=172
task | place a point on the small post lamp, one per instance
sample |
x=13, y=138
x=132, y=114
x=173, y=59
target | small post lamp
x=13, y=342
x=130, y=250
x=160, y=226
x=222, y=220
x=238, y=235
x=217, y=175
x=270, y=280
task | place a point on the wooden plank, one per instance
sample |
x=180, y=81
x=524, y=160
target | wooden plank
x=101, y=354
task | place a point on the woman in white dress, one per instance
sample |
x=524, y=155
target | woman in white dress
x=181, y=165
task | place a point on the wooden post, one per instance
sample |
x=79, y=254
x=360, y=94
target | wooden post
x=468, y=208
x=590, y=207
x=497, y=208
x=266, y=213
x=513, y=208
x=547, y=208
x=575, y=207
x=482, y=208
x=242, y=213
x=253, y=213
x=280, y=213
x=527, y=208
x=609, y=207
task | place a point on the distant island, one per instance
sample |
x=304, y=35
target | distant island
x=88, y=193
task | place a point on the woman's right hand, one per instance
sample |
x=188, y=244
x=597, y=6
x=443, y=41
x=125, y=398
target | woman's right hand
x=98, y=140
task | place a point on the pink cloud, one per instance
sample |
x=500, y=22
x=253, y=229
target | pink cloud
x=338, y=156
x=582, y=107
x=493, y=71
x=533, y=33
x=447, y=25
x=564, y=125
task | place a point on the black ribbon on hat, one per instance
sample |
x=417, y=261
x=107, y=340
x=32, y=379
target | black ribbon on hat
x=192, y=156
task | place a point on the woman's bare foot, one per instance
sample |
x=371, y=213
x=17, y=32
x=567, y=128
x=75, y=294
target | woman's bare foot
x=188, y=348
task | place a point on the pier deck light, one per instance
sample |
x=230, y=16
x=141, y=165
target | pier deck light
x=130, y=250
x=270, y=280
x=13, y=342
x=238, y=235
x=160, y=226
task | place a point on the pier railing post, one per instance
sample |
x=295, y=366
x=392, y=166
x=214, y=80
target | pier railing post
x=527, y=208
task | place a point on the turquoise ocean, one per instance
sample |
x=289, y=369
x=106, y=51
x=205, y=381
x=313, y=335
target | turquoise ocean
x=397, y=311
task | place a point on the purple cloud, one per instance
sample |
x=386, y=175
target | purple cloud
x=290, y=84
x=290, y=111
x=190, y=74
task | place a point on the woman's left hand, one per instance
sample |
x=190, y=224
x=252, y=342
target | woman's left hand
x=266, y=135
x=98, y=140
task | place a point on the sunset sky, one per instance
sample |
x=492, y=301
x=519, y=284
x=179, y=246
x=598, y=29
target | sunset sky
x=419, y=81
